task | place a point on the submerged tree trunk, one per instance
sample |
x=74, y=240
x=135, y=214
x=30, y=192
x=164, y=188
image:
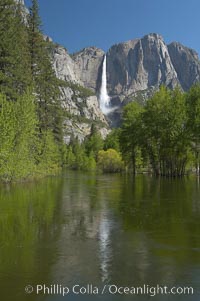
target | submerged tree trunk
x=133, y=159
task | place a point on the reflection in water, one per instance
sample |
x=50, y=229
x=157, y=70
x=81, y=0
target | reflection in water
x=86, y=228
x=105, y=247
x=28, y=229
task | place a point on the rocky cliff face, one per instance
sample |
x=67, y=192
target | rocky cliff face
x=186, y=64
x=140, y=64
x=80, y=105
x=24, y=10
x=64, y=66
x=138, y=67
x=22, y=3
x=135, y=69
x=88, y=63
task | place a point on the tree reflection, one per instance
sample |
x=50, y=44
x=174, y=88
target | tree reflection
x=27, y=222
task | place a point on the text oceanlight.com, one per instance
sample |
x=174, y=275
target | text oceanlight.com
x=112, y=289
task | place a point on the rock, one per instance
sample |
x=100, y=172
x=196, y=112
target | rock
x=88, y=63
x=64, y=65
x=81, y=108
x=186, y=63
x=75, y=129
x=74, y=100
x=135, y=70
x=139, y=65
x=24, y=9
x=20, y=1
x=80, y=130
x=93, y=111
x=47, y=38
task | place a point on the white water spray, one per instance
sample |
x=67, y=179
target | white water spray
x=104, y=99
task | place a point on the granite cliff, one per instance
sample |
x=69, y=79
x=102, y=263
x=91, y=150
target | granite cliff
x=88, y=66
x=135, y=69
x=139, y=67
x=186, y=64
x=80, y=103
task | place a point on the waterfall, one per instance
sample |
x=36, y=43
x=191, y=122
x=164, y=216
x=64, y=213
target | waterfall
x=104, y=99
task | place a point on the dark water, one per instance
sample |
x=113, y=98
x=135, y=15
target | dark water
x=99, y=229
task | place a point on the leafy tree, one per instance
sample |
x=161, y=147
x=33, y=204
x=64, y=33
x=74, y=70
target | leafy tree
x=23, y=153
x=49, y=156
x=130, y=135
x=7, y=137
x=70, y=158
x=91, y=163
x=161, y=132
x=80, y=156
x=165, y=133
x=109, y=161
x=77, y=158
x=30, y=143
x=193, y=112
x=17, y=137
x=112, y=140
x=94, y=142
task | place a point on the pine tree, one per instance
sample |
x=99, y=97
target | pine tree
x=46, y=84
x=15, y=73
x=30, y=127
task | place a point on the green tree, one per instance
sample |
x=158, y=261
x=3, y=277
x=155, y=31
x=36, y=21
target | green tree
x=77, y=158
x=31, y=137
x=91, y=163
x=193, y=112
x=94, y=142
x=112, y=140
x=15, y=71
x=18, y=124
x=49, y=159
x=7, y=137
x=46, y=84
x=109, y=161
x=70, y=159
x=130, y=135
x=165, y=133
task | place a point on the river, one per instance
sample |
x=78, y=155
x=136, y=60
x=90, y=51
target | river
x=114, y=230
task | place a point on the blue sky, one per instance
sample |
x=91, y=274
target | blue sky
x=80, y=23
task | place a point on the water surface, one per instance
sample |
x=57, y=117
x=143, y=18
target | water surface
x=99, y=229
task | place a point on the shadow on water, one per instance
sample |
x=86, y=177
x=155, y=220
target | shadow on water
x=100, y=229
